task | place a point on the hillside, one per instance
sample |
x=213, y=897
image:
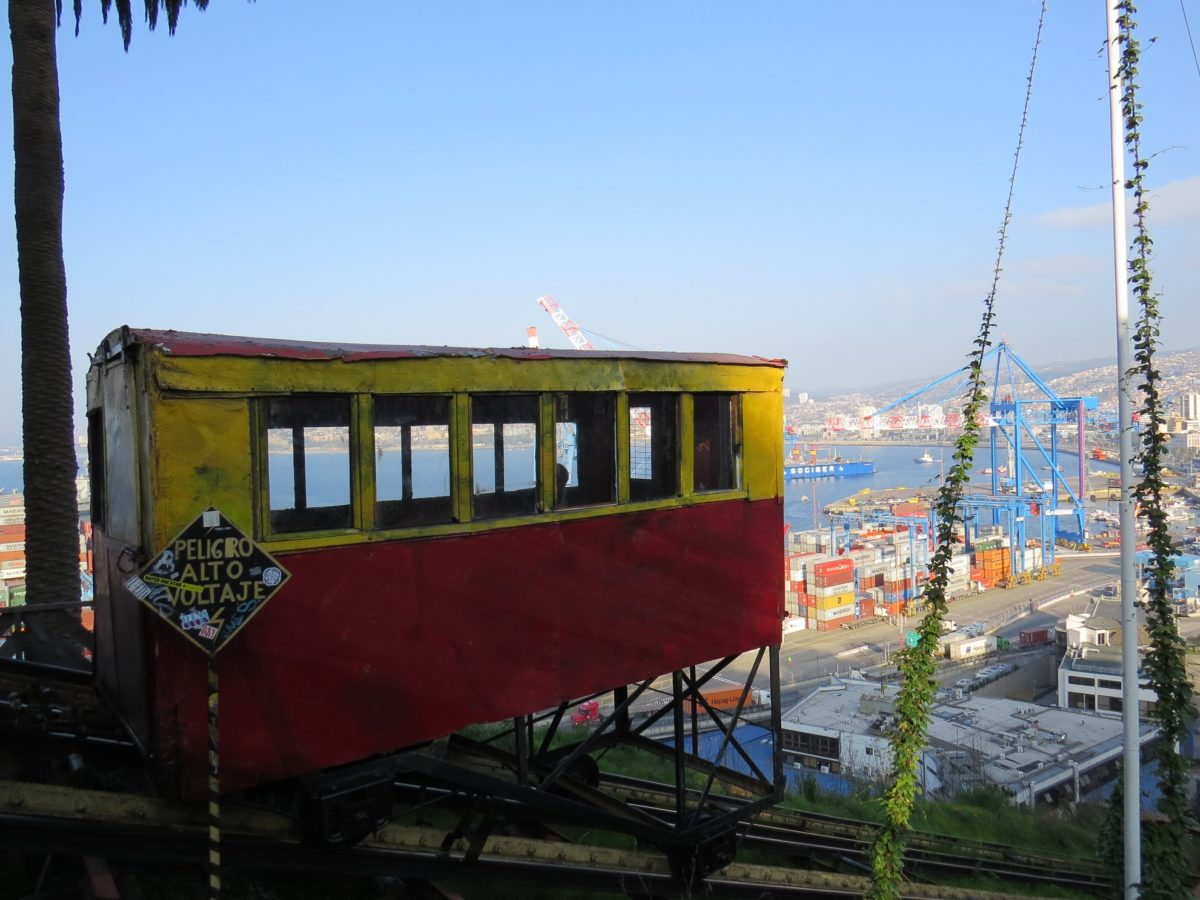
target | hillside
x=1180, y=373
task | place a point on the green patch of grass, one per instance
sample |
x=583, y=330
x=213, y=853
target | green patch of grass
x=978, y=815
x=862, y=805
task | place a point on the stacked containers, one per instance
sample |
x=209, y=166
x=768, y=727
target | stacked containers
x=960, y=575
x=833, y=590
x=793, y=581
x=993, y=561
x=797, y=599
x=12, y=538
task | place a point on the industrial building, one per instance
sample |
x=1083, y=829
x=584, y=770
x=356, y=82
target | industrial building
x=1034, y=753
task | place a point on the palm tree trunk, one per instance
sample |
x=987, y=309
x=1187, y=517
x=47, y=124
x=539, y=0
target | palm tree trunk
x=51, y=513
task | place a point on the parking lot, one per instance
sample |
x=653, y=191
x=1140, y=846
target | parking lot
x=984, y=675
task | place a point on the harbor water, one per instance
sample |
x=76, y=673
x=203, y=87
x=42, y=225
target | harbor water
x=896, y=469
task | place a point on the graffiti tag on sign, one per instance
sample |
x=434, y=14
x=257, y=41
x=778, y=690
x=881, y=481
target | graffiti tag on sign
x=209, y=581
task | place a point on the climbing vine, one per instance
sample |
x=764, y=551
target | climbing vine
x=915, y=700
x=1165, y=849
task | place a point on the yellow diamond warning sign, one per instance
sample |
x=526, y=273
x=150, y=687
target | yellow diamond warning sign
x=209, y=581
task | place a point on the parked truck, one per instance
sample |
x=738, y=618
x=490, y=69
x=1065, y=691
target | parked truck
x=586, y=713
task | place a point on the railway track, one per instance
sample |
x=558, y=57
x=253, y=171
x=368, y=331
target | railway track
x=827, y=856
x=830, y=840
x=52, y=819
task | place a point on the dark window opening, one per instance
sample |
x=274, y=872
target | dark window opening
x=1081, y=701
x=813, y=744
x=308, y=463
x=96, y=481
x=585, y=449
x=504, y=436
x=653, y=446
x=715, y=448
x=412, y=461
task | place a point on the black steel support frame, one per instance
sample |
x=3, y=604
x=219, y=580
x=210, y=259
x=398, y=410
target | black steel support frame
x=532, y=783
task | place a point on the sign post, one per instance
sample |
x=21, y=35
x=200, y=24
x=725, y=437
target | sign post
x=208, y=583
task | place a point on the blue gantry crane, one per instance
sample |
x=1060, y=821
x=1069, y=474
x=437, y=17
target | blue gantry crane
x=1029, y=475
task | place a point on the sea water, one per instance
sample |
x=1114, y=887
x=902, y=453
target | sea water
x=895, y=467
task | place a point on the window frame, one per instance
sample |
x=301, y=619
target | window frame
x=539, y=452
x=260, y=420
x=736, y=444
x=363, y=484
x=558, y=503
x=680, y=461
x=369, y=461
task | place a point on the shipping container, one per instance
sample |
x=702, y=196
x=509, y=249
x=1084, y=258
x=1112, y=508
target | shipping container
x=836, y=612
x=838, y=579
x=833, y=567
x=833, y=602
x=972, y=647
x=834, y=592
x=1034, y=636
x=727, y=698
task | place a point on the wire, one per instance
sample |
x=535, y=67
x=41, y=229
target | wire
x=1188, y=28
x=614, y=341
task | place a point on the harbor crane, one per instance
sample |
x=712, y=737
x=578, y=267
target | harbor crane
x=1022, y=424
x=573, y=332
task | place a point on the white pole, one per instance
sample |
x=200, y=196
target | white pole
x=1129, y=634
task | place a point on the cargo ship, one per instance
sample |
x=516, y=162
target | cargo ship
x=795, y=467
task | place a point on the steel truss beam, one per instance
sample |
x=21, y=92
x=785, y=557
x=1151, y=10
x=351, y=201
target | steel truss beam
x=525, y=774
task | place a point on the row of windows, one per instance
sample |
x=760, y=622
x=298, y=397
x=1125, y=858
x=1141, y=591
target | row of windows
x=813, y=744
x=311, y=470
x=1094, y=682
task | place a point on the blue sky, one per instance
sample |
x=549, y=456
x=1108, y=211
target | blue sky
x=820, y=182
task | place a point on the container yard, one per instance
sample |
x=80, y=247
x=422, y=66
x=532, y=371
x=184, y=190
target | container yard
x=840, y=577
x=12, y=551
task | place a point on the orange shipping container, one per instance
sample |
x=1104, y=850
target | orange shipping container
x=724, y=699
x=834, y=567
